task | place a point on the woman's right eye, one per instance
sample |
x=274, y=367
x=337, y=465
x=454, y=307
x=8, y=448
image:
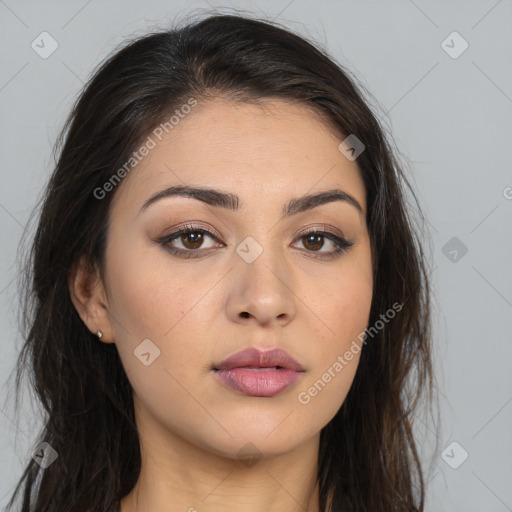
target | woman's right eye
x=191, y=239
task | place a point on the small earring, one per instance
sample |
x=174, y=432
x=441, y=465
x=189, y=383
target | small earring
x=99, y=334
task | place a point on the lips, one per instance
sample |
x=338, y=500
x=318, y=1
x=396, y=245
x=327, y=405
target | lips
x=255, y=373
x=257, y=359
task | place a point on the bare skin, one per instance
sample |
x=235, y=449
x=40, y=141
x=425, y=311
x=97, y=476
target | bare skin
x=193, y=427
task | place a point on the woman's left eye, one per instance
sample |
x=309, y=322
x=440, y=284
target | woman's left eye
x=192, y=238
x=315, y=237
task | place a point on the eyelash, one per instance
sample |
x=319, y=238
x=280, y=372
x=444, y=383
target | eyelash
x=342, y=244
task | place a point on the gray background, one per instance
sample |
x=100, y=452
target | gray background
x=451, y=117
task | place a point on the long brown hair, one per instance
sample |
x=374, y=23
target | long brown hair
x=368, y=457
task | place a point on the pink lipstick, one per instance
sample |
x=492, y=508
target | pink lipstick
x=256, y=373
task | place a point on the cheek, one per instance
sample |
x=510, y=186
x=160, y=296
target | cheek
x=343, y=304
x=174, y=306
x=344, y=310
x=149, y=297
x=164, y=306
x=336, y=355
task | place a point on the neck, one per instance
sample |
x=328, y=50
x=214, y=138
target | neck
x=177, y=476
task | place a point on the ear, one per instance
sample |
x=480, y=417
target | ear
x=90, y=300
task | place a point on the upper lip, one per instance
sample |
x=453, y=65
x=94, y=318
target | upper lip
x=261, y=359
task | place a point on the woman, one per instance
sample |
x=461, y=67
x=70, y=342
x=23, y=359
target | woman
x=228, y=306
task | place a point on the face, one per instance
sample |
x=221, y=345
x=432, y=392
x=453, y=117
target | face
x=245, y=275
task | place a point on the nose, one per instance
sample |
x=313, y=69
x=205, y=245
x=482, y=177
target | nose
x=262, y=292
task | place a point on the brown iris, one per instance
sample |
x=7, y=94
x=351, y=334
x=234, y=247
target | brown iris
x=309, y=237
x=197, y=239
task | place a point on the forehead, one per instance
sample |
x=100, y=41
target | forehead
x=270, y=150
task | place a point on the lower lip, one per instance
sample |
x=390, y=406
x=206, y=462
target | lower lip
x=252, y=382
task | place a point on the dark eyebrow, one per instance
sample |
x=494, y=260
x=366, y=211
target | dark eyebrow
x=232, y=201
